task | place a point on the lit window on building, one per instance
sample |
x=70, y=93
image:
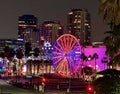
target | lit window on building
x=60, y=28
x=79, y=21
x=70, y=13
x=47, y=25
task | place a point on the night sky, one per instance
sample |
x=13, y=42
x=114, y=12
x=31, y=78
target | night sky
x=10, y=10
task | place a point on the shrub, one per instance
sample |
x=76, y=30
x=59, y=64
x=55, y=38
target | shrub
x=107, y=85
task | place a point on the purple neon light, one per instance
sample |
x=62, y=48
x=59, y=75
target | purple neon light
x=89, y=50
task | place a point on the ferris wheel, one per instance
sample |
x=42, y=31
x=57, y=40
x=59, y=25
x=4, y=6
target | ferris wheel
x=66, y=55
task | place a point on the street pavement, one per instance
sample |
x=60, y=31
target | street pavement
x=6, y=88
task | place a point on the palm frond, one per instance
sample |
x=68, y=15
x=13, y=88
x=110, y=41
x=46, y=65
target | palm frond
x=117, y=59
x=110, y=10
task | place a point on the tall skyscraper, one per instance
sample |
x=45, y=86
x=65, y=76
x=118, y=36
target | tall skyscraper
x=27, y=29
x=50, y=31
x=79, y=25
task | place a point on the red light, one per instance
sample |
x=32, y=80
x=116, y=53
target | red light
x=90, y=88
x=9, y=71
x=43, y=80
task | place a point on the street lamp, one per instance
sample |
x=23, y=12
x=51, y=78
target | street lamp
x=95, y=56
x=69, y=82
x=89, y=58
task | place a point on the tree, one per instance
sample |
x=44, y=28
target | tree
x=83, y=58
x=87, y=70
x=9, y=53
x=36, y=52
x=6, y=51
x=19, y=55
x=112, y=42
x=2, y=54
x=28, y=48
x=112, y=86
x=110, y=10
x=29, y=66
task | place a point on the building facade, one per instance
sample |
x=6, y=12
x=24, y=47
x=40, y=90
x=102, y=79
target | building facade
x=79, y=25
x=50, y=31
x=12, y=43
x=27, y=29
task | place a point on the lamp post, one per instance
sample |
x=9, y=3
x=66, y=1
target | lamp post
x=95, y=56
x=89, y=58
x=69, y=82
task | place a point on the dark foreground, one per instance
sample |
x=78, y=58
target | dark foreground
x=6, y=88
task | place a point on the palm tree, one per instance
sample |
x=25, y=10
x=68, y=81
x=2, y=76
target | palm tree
x=110, y=10
x=8, y=55
x=28, y=49
x=83, y=58
x=36, y=53
x=19, y=55
x=112, y=42
x=117, y=59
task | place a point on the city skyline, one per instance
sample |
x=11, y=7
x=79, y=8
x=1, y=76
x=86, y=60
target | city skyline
x=47, y=10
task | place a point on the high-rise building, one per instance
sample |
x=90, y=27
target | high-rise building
x=27, y=29
x=79, y=25
x=12, y=43
x=50, y=31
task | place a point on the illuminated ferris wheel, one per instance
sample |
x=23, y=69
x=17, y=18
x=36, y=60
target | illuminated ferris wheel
x=66, y=55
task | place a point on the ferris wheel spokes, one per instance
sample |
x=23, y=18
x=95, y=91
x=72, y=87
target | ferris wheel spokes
x=62, y=67
x=57, y=49
x=59, y=45
x=66, y=54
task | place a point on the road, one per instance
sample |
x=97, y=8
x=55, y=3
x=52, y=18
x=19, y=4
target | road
x=6, y=88
x=9, y=89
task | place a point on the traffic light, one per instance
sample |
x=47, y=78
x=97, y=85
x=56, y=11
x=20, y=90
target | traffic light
x=90, y=88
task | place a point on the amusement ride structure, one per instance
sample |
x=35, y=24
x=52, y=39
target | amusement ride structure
x=66, y=55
